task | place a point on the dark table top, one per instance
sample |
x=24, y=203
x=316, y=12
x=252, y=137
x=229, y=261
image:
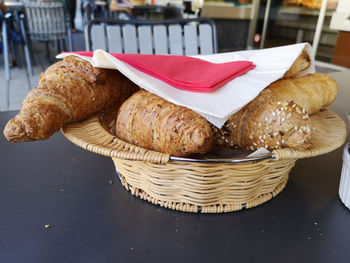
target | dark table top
x=57, y=183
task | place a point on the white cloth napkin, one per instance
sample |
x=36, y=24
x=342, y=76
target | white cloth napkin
x=217, y=106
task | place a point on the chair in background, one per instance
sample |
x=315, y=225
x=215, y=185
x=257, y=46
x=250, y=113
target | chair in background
x=88, y=12
x=13, y=37
x=48, y=22
x=176, y=37
x=91, y=9
x=5, y=45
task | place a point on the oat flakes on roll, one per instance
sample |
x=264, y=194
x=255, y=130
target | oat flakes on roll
x=267, y=123
x=151, y=122
x=279, y=116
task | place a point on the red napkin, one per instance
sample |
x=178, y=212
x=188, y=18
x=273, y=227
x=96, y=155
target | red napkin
x=182, y=72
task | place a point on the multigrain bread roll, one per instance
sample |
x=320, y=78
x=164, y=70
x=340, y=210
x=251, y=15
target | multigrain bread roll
x=312, y=92
x=151, y=122
x=279, y=116
x=300, y=64
x=68, y=91
x=266, y=123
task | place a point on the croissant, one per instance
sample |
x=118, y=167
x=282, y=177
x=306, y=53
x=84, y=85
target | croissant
x=312, y=92
x=68, y=91
x=151, y=122
x=300, y=64
x=279, y=116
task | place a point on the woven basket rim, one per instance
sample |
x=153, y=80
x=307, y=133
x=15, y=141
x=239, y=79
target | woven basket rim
x=329, y=134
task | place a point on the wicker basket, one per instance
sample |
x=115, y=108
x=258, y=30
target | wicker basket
x=203, y=186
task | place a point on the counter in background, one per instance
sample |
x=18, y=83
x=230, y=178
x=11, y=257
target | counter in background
x=233, y=24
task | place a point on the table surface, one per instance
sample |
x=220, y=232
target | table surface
x=57, y=183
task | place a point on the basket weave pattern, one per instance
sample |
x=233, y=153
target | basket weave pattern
x=202, y=187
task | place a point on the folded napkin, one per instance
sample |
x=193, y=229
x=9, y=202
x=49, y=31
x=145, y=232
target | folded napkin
x=183, y=72
x=219, y=104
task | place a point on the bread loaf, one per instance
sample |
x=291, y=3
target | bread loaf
x=151, y=122
x=312, y=92
x=266, y=123
x=279, y=116
x=68, y=91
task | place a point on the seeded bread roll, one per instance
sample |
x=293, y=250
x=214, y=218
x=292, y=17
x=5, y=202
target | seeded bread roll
x=68, y=91
x=151, y=122
x=312, y=92
x=301, y=63
x=267, y=123
x=279, y=116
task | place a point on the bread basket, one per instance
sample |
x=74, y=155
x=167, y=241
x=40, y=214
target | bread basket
x=202, y=185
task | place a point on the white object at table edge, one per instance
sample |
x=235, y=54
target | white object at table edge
x=344, y=185
x=218, y=106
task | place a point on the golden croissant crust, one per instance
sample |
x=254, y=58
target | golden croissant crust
x=300, y=64
x=312, y=92
x=68, y=91
x=149, y=121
